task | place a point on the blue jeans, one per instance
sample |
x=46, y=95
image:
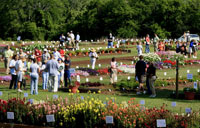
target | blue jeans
x=34, y=83
x=67, y=77
x=147, y=50
x=45, y=77
x=110, y=44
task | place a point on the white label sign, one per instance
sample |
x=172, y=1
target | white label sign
x=88, y=65
x=101, y=78
x=87, y=80
x=129, y=77
x=188, y=71
x=78, y=78
x=77, y=66
x=189, y=76
x=188, y=110
x=10, y=115
x=109, y=119
x=1, y=93
x=99, y=65
x=25, y=94
x=173, y=104
x=195, y=85
x=142, y=102
x=50, y=118
x=165, y=73
x=55, y=96
x=161, y=123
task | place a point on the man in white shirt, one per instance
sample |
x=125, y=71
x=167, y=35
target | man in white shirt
x=8, y=54
x=93, y=56
x=13, y=72
x=56, y=54
x=77, y=40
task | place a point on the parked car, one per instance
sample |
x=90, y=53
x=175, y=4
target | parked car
x=192, y=37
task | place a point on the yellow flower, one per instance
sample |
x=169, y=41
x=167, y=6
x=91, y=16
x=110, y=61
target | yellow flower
x=70, y=90
x=94, y=92
x=61, y=124
x=99, y=91
x=77, y=91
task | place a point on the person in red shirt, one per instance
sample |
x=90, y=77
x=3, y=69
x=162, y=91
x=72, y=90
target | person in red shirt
x=38, y=55
x=62, y=52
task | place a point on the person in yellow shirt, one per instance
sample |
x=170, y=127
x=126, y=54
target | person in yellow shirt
x=8, y=53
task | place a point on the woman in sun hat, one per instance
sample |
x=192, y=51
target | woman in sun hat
x=93, y=56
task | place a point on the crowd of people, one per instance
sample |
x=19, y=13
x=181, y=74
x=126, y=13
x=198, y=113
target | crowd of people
x=70, y=39
x=186, y=46
x=54, y=69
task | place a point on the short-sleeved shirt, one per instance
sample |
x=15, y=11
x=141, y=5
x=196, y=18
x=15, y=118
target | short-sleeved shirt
x=67, y=62
x=62, y=52
x=34, y=68
x=12, y=64
x=8, y=53
x=140, y=67
x=45, y=57
x=113, y=64
x=52, y=67
x=19, y=65
x=56, y=55
x=38, y=55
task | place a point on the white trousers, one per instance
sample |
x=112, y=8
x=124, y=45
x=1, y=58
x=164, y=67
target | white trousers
x=53, y=83
x=93, y=61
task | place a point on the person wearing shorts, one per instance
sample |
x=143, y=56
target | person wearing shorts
x=140, y=70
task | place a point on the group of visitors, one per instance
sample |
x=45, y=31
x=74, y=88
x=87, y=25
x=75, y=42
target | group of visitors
x=185, y=47
x=70, y=39
x=54, y=69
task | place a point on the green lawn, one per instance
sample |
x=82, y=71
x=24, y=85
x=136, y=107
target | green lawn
x=162, y=94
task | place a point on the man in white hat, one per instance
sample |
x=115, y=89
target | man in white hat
x=45, y=56
x=93, y=56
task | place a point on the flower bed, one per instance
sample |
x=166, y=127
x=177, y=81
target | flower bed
x=89, y=84
x=80, y=73
x=85, y=111
x=5, y=78
x=90, y=71
x=127, y=68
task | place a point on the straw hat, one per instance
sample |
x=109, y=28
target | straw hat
x=93, y=50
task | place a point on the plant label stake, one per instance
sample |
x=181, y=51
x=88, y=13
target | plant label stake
x=50, y=118
x=77, y=67
x=78, y=78
x=188, y=110
x=161, y=123
x=189, y=76
x=87, y=80
x=121, y=63
x=129, y=77
x=99, y=65
x=165, y=73
x=195, y=85
x=1, y=93
x=88, y=65
x=142, y=102
x=188, y=71
x=109, y=119
x=101, y=78
x=132, y=62
x=25, y=94
x=10, y=115
x=55, y=96
x=173, y=104
x=198, y=70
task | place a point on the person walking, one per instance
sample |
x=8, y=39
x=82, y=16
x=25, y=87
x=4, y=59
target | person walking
x=13, y=72
x=113, y=73
x=93, y=56
x=147, y=40
x=52, y=68
x=67, y=74
x=34, y=73
x=151, y=75
x=140, y=72
x=155, y=42
x=72, y=39
x=8, y=54
x=110, y=41
x=139, y=48
x=77, y=40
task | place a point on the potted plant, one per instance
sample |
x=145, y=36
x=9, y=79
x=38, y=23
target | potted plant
x=118, y=50
x=86, y=52
x=102, y=51
x=189, y=93
x=111, y=50
x=74, y=86
x=78, y=52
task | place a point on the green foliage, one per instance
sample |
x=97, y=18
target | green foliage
x=47, y=19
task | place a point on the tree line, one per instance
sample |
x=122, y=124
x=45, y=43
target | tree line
x=94, y=19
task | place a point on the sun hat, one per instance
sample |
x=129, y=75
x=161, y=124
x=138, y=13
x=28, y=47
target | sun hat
x=93, y=50
x=45, y=50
